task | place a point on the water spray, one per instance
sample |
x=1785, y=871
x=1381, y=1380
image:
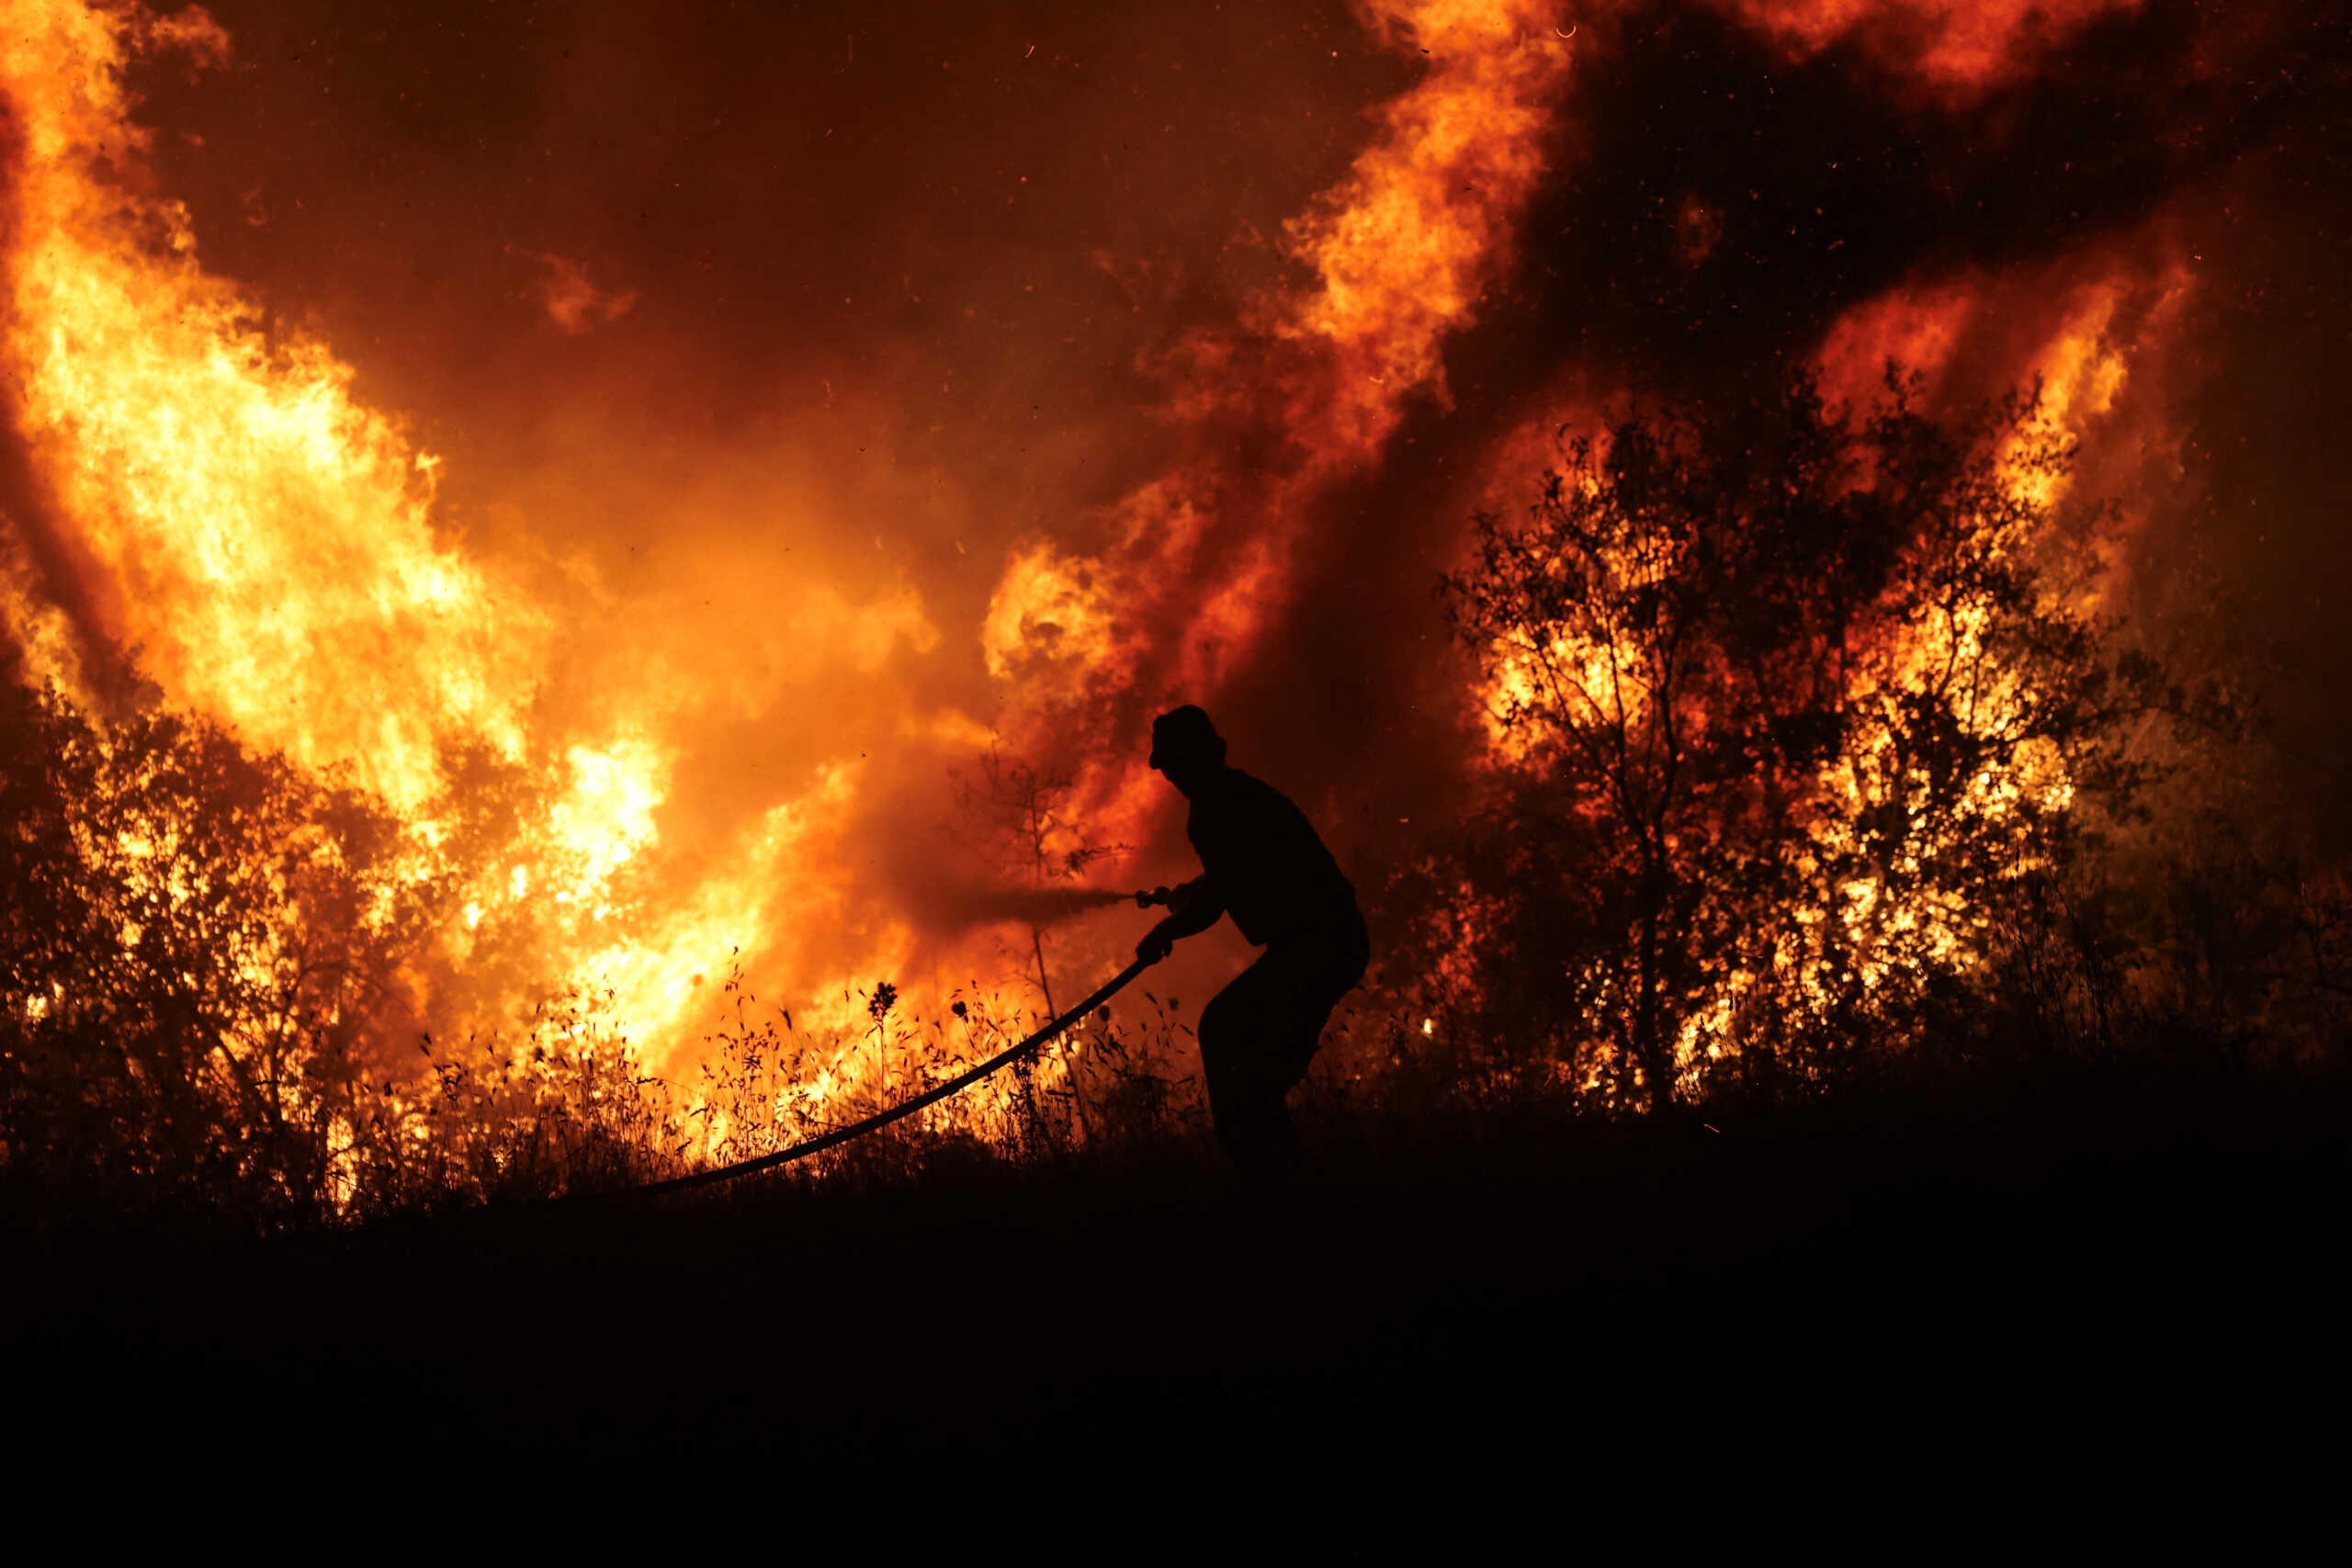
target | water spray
x=979, y=904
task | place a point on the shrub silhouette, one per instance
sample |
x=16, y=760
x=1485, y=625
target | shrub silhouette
x=1794, y=710
x=1810, y=753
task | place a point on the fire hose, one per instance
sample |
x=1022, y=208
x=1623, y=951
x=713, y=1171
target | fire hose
x=931, y=1096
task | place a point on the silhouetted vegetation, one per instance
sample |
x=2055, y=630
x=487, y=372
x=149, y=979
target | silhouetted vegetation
x=1882, y=967
x=1812, y=751
x=1815, y=762
x=2055, y=1267
x=209, y=971
x=191, y=942
x=208, y=967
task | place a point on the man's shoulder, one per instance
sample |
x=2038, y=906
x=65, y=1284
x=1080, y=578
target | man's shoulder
x=1249, y=786
x=1238, y=798
x=1253, y=800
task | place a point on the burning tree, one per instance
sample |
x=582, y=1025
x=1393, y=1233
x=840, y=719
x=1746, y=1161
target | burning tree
x=209, y=961
x=194, y=946
x=1789, y=709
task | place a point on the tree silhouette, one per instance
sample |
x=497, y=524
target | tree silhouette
x=1785, y=703
x=194, y=946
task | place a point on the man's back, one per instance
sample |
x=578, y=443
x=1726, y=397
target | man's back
x=1277, y=880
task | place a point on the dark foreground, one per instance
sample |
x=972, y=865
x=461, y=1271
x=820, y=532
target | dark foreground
x=2039, y=1284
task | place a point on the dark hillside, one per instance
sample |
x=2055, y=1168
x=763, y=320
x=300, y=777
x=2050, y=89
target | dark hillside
x=2087, y=1270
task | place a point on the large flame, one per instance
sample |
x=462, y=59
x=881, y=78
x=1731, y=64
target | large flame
x=262, y=539
x=267, y=544
x=215, y=498
x=1399, y=254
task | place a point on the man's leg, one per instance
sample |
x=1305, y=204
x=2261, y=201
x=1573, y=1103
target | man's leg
x=1258, y=1037
x=1245, y=1093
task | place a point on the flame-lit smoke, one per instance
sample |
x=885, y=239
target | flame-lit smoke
x=573, y=302
x=1194, y=565
x=1959, y=48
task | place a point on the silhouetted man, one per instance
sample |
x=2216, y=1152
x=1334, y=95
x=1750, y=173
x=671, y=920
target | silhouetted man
x=1262, y=864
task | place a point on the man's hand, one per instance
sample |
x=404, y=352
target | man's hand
x=1157, y=943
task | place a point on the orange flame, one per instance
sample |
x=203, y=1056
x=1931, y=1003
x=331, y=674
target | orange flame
x=2086, y=330
x=270, y=549
x=1959, y=48
x=1401, y=251
x=264, y=540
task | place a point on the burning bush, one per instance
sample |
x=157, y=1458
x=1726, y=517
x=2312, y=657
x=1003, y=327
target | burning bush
x=211, y=965
x=194, y=945
x=1791, y=712
x=208, y=962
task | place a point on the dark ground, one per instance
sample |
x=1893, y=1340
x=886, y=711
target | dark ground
x=2028, y=1287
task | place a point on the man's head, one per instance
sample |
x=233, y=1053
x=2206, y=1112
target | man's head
x=1185, y=746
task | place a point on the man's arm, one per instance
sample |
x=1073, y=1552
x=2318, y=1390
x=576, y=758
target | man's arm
x=1194, y=908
